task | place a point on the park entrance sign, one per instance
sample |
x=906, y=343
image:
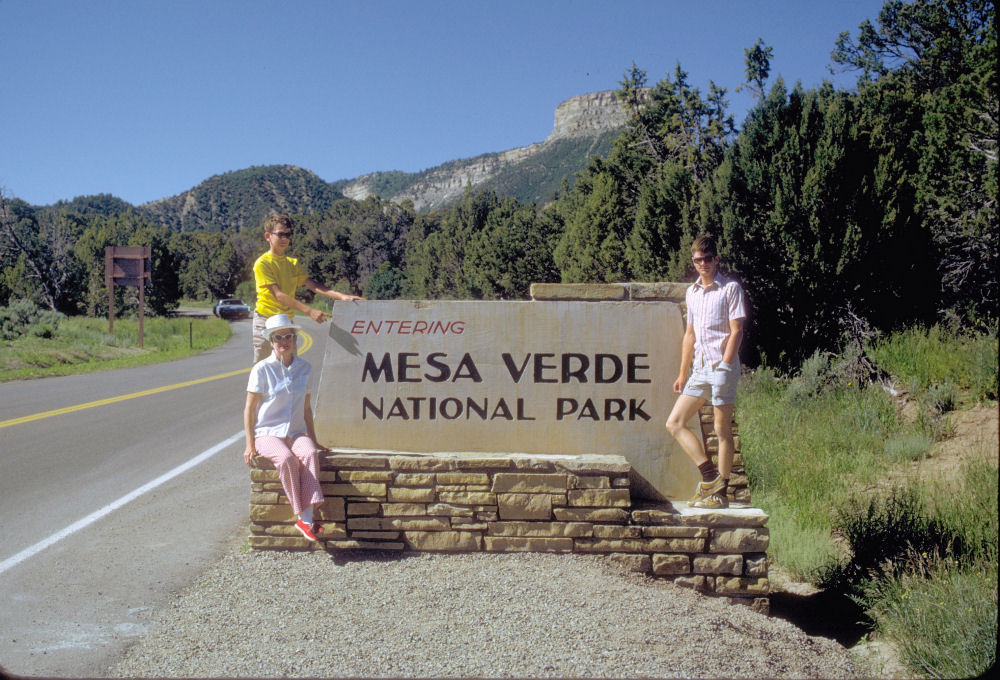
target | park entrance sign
x=561, y=378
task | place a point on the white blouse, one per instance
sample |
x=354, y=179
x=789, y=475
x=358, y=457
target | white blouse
x=284, y=390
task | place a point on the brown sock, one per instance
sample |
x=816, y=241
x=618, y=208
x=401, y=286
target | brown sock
x=708, y=471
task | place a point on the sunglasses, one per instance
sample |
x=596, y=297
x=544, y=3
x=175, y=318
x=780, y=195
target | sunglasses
x=281, y=337
x=281, y=234
x=702, y=260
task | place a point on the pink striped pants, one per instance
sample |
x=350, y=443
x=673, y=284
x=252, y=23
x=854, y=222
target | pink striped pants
x=298, y=468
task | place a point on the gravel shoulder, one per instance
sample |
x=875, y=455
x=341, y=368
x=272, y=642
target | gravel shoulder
x=368, y=614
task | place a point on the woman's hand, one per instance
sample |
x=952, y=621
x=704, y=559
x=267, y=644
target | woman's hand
x=248, y=455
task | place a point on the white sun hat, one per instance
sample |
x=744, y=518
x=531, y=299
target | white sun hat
x=278, y=322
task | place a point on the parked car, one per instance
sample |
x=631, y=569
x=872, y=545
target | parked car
x=231, y=308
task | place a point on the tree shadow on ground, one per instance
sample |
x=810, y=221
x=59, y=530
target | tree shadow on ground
x=825, y=613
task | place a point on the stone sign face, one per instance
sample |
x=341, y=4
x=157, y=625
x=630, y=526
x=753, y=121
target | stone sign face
x=542, y=377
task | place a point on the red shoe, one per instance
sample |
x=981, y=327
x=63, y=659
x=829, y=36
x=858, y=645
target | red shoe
x=317, y=528
x=306, y=530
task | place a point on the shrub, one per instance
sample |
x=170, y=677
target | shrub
x=923, y=358
x=813, y=378
x=24, y=316
x=905, y=448
x=944, y=621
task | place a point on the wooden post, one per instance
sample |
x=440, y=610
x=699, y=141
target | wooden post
x=126, y=266
x=109, y=280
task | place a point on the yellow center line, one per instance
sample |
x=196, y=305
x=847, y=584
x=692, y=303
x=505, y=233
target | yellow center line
x=306, y=344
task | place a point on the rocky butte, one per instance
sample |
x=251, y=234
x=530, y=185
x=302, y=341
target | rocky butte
x=587, y=115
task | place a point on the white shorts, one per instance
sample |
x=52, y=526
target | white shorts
x=713, y=385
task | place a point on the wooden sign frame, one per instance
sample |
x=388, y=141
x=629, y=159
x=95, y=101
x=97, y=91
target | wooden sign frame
x=127, y=266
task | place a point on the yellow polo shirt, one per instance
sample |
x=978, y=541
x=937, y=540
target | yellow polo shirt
x=282, y=270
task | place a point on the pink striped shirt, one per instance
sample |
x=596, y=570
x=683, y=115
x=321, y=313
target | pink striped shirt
x=709, y=311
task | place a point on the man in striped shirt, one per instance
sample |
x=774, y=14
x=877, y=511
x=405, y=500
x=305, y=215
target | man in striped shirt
x=710, y=369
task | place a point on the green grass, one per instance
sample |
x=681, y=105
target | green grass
x=921, y=558
x=944, y=623
x=925, y=358
x=83, y=345
x=941, y=610
x=803, y=458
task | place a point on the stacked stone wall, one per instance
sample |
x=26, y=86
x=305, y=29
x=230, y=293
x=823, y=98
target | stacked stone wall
x=517, y=502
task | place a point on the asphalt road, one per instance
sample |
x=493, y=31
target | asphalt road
x=72, y=597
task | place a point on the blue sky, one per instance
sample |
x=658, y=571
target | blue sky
x=145, y=99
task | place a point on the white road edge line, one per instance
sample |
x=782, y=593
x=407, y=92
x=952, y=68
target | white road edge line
x=111, y=507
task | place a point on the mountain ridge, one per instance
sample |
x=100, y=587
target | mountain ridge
x=584, y=126
x=588, y=116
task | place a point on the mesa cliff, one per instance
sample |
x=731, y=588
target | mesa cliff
x=584, y=126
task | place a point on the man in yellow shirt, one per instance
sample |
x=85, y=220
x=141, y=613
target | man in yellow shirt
x=276, y=276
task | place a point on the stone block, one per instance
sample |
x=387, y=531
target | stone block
x=741, y=540
x=467, y=497
x=446, y=510
x=609, y=545
x=421, y=464
x=331, y=530
x=363, y=508
x=731, y=565
x=616, y=531
x=363, y=476
x=376, y=535
x=333, y=510
x=280, y=543
x=341, y=461
x=392, y=523
x=264, y=498
x=462, y=478
x=674, y=532
x=469, y=524
x=527, y=544
x=641, y=564
x=414, y=479
x=514, y=506
x=590, y=482
x=669, y=565
x=372, y=489
x=271, y=513
x=599, y=498
x=676, y=545
x=498, y=463
x=684, y=516
x=366, y=545
x=543, y=529
x=443, y=540
x=590, y=515
x=700, y=583
x=725, y=585
x=264, y=475
x=595, y=464
x=533, y=464
x=403, y=509
x=658, y=291
x=462, y=488
x=528, y=482
x=595, y=292
x=411, y=494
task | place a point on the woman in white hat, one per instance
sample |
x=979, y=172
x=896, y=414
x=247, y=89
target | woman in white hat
x=278, y=421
